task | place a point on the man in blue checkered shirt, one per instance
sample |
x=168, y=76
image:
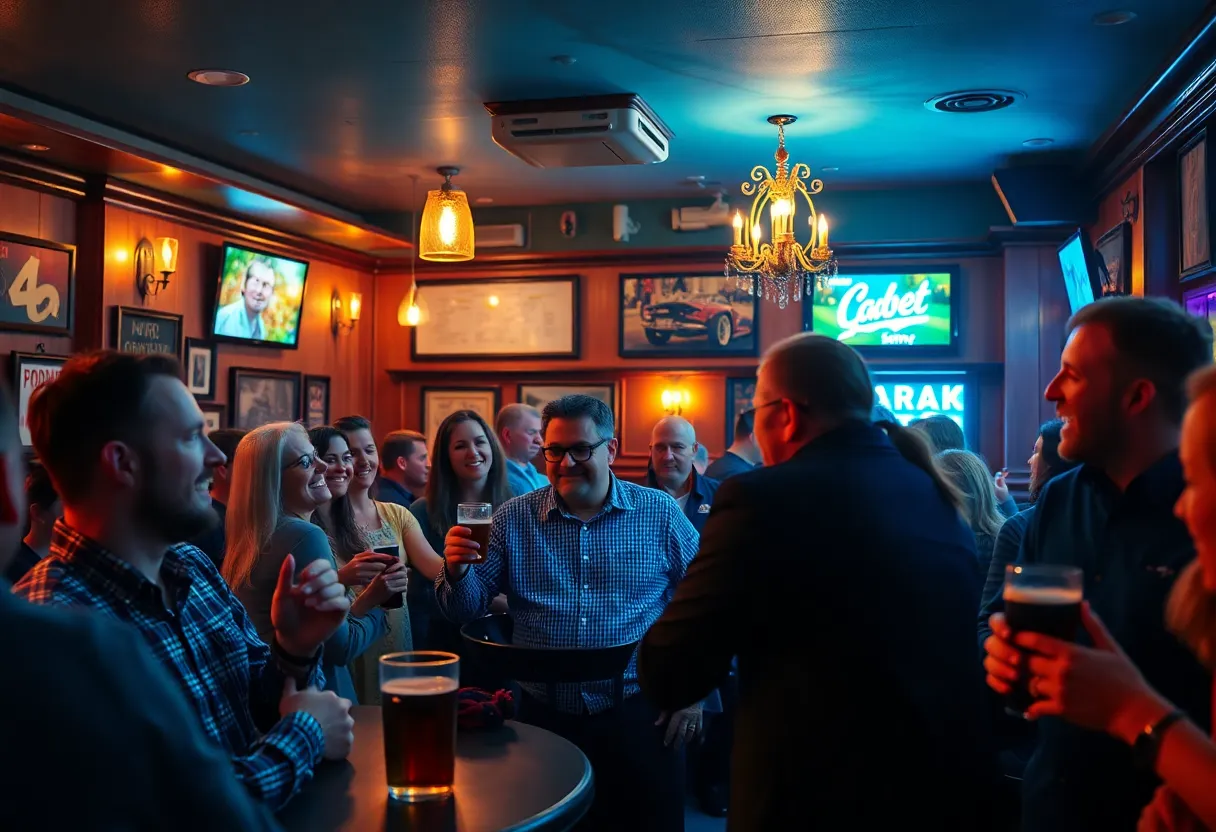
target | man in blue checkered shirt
x=123, y=442
x=589, y=561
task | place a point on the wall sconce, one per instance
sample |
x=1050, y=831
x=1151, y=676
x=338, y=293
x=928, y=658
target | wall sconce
x=355, y=302
x=675, y=400
x=151, y=259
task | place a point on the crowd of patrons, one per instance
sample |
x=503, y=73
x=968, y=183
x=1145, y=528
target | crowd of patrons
x=817, y=608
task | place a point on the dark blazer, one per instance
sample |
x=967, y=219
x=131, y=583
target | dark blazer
x=847, y=587
x=701, y=495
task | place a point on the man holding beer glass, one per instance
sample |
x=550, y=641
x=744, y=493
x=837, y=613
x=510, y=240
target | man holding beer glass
x=1120, y=392
x=589, y=561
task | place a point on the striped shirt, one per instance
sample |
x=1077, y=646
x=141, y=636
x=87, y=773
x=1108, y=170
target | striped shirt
x=575, y=584
x=209, y=645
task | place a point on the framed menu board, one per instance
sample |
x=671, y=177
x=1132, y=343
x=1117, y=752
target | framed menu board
x=470, y=320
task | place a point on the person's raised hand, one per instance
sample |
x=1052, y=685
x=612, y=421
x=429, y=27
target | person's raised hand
x=306, y=613
x=1003, y=660
x=363, y=568
x=1001, y=487
x=459, y=550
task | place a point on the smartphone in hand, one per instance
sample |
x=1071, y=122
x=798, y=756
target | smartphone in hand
x=397, y=600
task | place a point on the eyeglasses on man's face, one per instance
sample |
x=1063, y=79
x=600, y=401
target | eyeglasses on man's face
x=579, y=453
x=751, y=411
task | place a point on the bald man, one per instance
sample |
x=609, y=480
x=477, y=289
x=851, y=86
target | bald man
x=673, y=446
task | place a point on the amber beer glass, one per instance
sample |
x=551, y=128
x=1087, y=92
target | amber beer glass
x=476, y=517
x=1040, y=599
x=418, y=691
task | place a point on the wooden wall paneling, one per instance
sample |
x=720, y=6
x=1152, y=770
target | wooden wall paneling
x=1159, y=218
x=1110, y=214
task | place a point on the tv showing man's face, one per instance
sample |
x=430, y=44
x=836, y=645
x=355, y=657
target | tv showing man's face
x=259, y=286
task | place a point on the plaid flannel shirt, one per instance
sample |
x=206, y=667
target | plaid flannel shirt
x=206, y=640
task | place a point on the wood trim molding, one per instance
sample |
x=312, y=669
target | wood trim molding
x=146, y=201
x=24, y=173
x=1181, y=94
x=692, y=256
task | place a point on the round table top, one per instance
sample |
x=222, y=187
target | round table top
x=518, y=778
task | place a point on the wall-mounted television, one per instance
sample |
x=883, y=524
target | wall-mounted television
x=1077, y=261
x=259, y=298
x=889, y=312
x=915, y=394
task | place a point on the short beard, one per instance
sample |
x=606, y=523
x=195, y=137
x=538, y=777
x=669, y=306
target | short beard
x=169, y=520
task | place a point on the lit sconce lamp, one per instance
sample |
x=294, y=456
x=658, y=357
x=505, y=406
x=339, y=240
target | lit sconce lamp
x=674, y=401
x=408, y=313
x=354, y=301
x=151, y=259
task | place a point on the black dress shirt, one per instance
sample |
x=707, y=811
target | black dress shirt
x=1131, y=547
x=99, y=737
x=390, y=491
x=727, y=465
x=24, y=559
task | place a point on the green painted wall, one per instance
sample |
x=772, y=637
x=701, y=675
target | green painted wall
x=946, y=212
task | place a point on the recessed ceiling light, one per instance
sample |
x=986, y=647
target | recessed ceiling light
x=34, y=147
x=484, y=200
x=1114, y=18
x=564, y=60
x=830, y=169
x=218, y=77
x=1038, y=142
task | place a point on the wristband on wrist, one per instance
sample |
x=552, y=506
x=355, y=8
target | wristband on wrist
x=1147, y=746
x=278, y=648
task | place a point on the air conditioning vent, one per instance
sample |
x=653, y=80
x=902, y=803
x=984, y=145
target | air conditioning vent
x=500, y=236
x=974, y=101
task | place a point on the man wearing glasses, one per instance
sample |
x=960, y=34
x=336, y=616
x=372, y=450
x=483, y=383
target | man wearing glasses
x=589, y=561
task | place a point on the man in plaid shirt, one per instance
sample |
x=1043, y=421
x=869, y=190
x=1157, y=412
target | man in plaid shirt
x=123, y=442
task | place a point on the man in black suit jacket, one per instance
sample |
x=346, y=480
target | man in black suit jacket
x=843, y=579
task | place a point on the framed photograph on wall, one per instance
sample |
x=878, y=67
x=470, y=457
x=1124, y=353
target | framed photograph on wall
x=472, y=320
x=200, y=367
x=316, y=401
x=686, y=315
x=213, y=415
x=1194, y=220
x=440, y=402
x=257, y=396
x=539, y=395
x=39, y=282
x=1115, y=251
x=740, y=391
x=30, y=371
x=146, y=331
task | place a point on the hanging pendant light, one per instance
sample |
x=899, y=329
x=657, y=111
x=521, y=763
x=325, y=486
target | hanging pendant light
x=408, y=313
x=447, y=223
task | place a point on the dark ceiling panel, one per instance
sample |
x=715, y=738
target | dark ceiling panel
x=348, y=100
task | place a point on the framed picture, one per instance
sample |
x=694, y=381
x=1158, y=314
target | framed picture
x=259, y=396
x=539, y=395
x=471, y=320
x=1194, y=226
x=440, y=402
x=145, y=331
x=316, y=401
x=213, y=415
x=37, y=285
x=29, y=372
x=739, y=394
x=199, y=367
x=1115, y=251
x=686, y=315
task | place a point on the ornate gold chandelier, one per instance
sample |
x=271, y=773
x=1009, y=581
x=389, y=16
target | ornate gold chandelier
x=782, y=269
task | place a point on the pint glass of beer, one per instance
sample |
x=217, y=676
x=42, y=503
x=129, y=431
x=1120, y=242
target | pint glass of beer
x=418, y=690
x=1041, y=599
x=476, y=516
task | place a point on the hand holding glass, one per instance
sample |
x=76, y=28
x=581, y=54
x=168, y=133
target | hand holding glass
x=476, y=518
x=1040, y=599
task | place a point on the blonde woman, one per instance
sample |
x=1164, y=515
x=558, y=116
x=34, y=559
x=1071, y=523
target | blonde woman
x=970, y=476
x=379, y=526
x=276, y=486
x=1100, y=689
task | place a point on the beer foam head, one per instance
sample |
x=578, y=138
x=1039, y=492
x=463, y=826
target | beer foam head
x=419, y=686
x=477, y=521
x=1043, y=595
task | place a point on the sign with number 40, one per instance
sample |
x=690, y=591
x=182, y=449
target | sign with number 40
x=37, y=280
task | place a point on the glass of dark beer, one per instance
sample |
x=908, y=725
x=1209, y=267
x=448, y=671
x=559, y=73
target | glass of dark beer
x=397, y=600
x=1040, y=599
x=418, y=692
x=476, y=517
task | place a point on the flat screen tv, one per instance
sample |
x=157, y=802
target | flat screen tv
x=1077, y=263
x=889, y=312
x=259, y=298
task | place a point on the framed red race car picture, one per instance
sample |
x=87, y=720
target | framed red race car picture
x=686, y=315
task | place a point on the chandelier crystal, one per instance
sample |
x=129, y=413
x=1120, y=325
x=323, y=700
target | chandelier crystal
x=782, y=269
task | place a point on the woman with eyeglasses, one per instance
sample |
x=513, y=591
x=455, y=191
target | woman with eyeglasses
x=467, y=466
x=277, y=487
x=364, y=523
